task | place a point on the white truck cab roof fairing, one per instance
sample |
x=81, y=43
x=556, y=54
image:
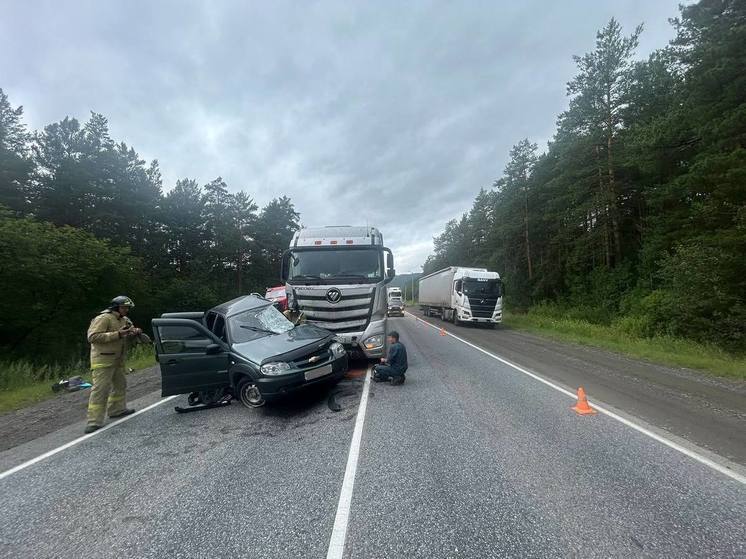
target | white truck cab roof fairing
x=337, y=235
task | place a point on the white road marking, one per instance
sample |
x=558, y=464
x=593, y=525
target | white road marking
x=682, y=449
x=341, y=520
x=80, y=439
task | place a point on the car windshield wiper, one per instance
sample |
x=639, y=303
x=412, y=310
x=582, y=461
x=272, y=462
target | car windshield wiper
x=256, y=329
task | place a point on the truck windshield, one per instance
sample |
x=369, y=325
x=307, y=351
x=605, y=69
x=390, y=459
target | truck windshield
x=334, y=266
x=482, y=288
x=257, y=323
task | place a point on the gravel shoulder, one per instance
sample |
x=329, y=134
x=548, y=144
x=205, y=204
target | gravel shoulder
x=20, y=426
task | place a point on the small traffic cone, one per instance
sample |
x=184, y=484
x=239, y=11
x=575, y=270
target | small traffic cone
x=443, y=332
x=582, y=407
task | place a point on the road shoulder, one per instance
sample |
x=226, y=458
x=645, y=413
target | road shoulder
x=27, y=424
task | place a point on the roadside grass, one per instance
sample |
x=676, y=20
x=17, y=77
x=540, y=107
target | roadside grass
x=23, y=383
x=665, y=350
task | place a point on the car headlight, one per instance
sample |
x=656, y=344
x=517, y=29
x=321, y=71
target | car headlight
x=374, y=342
x=273, y=369
x=337, y=349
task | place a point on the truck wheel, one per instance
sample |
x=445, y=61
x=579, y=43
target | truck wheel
x=456, y=321
x=249, y=394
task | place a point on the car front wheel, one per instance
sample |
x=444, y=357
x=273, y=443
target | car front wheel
x=249, y=394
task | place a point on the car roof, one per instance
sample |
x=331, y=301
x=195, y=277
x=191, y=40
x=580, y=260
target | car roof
x=241, y=304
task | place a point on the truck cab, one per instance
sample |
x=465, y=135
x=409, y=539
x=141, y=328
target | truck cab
x=337, y=277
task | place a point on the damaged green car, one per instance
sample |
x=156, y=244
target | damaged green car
x=245, y=348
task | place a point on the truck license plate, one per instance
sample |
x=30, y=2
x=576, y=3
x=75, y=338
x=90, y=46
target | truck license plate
x=320, y=372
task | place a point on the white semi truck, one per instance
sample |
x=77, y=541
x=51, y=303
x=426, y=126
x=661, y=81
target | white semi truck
x=337, y=277
x=395, y=302
x=458, y=295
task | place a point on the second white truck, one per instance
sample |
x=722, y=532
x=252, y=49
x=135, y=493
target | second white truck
x=457, y=294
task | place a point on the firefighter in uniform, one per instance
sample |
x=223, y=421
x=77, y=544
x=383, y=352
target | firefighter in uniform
x=110, y=334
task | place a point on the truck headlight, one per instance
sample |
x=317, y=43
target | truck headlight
x=374, y=342
x=337, y=349
x=274, y=369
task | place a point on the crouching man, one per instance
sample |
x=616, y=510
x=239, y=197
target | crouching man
x=393, y=366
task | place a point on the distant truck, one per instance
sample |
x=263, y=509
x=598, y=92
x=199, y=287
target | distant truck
x=395, y=302
x=458, y=295
x=337, y=277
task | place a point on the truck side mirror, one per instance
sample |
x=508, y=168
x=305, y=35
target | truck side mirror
x=285, y=266
x=390, y=272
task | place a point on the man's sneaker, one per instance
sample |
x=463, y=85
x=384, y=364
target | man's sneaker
x=396, y=381
x=128, y=411
x=92, y=428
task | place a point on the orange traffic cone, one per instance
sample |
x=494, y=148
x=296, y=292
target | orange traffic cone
x=582, y=407
x=442, y=332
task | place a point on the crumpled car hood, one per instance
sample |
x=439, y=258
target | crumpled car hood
x=263, y=348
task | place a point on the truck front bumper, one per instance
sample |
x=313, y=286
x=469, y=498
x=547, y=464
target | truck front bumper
x=355, y=342
x=497, y=318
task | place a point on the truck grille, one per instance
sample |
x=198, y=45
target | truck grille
x=350, y=314
x=482, y=308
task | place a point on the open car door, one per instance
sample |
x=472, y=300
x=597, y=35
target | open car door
x=192, y=359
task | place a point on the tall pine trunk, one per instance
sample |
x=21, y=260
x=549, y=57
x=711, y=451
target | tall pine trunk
x=528, y=242
x=612, y=195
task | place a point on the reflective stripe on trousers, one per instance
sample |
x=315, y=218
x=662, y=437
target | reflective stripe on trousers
x=109, y=390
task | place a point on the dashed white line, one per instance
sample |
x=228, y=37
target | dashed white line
x=65, y=446
x=671, y=444
x=342, y=518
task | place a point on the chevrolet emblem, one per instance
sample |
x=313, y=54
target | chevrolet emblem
x=314, y=359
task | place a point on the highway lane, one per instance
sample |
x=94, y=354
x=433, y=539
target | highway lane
x=469, y=458
x=228, y=482
x=708, y=411
x=473, y=459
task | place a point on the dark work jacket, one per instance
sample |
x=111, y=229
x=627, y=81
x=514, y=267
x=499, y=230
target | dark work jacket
x=397, y=358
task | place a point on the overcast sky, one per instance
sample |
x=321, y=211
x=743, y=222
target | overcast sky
x=388, y=113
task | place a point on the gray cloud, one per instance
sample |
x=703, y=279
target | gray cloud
x=383, y=113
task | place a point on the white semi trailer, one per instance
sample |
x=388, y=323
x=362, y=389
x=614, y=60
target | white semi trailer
x=458, y=295
x=337, y=277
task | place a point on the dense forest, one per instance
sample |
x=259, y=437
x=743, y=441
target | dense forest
x=635, y=214
x=83, y=218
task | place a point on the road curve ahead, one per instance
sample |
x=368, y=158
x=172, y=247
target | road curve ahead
x=469, y=458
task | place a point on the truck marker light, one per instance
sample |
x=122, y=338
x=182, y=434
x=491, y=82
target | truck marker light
x=349, y=241
x=332, y=242
x=317, y=242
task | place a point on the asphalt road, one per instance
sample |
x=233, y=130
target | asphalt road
x=469, y=458
x=706, y=410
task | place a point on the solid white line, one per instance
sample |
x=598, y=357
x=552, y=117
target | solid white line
x=341, y=520
x=682, y=449
x=80, y=439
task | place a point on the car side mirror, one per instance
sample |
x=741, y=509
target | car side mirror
x=213, y=349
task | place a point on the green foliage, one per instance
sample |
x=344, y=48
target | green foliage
x=84, y=219
x=25, y=382
x=636, y=214
x=55, y=279
x=669, y=350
